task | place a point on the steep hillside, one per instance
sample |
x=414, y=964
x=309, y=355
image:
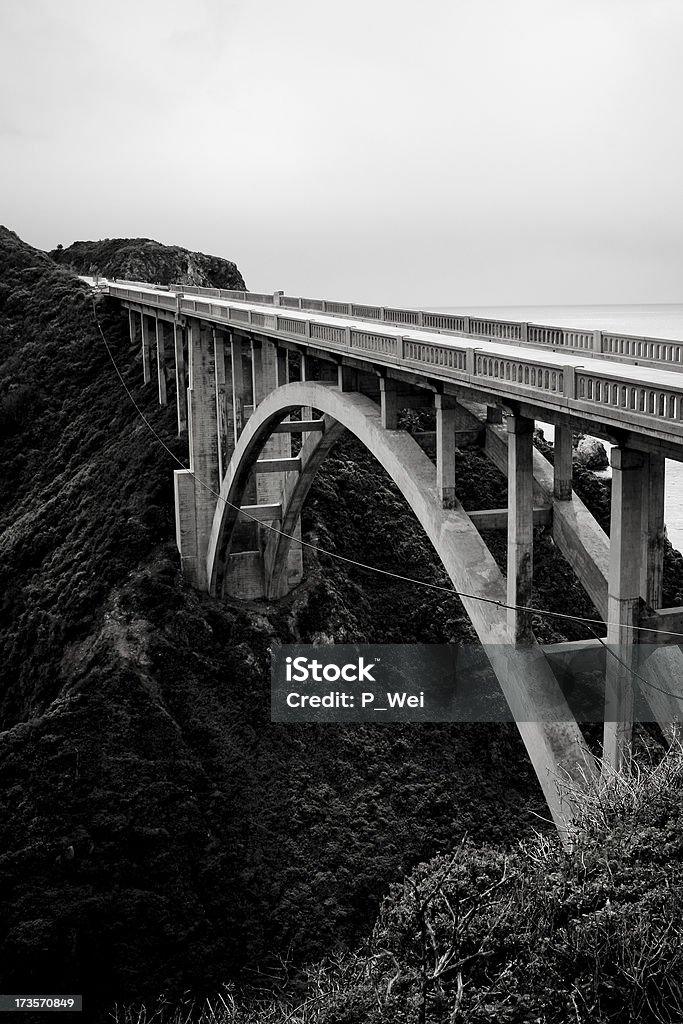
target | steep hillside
x=142, y=259
x=157, y=831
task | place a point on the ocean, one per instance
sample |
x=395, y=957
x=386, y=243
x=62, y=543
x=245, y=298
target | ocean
x=654, y=321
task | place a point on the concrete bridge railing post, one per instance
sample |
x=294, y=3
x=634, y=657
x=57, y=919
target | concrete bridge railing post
x=623, y=599
x=520, y=526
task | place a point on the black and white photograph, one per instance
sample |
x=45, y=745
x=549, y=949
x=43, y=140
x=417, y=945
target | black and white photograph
x=341, y=512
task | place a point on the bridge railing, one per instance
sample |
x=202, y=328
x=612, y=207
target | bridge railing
x=601, y=344
x=609, y=395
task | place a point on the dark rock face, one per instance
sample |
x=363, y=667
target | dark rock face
x=141, y=259
x=592, y=453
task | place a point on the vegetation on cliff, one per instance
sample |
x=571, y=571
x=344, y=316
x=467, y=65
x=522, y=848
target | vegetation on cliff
x=534, y=933
x=142, y=259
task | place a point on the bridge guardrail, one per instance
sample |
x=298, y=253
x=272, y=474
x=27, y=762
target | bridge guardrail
x=529, y=378
x=603, y=344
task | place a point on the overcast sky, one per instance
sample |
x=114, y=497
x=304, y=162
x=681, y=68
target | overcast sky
x=442, y=151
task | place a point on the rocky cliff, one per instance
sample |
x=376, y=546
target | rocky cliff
x=142, y=259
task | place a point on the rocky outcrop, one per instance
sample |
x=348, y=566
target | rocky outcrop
x=592, y=453
x=142, y=259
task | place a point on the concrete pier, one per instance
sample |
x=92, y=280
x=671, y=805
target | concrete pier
x=653, y=532
x=562, y=464
x=225, y=414
x=198, y=487
x=146, y=349
x=180, y=376
x=161, y=360
x=623, y=599
x=388, y=391
x=520, y=526
x=446, y=422
x=239, y=384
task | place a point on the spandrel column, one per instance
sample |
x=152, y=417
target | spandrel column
x=520, y=526
x=623, y=603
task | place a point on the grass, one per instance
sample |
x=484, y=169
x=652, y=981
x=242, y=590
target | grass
x=591, y=936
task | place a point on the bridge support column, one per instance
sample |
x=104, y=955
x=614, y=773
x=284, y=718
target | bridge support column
x=388, y=394
x=562, y=464
x=347, y=378
x=446, y=422
x=295, y=557
x=305, y=373
x=161, y=361
x=132, y=330
x=196, y=488
x=623, y=591
x=520, y=526
x=180, y=377
x=146, y=349
x=653, y=532
x=268, y=368
x=239, y=389
x=494, y=414
x=225, y=415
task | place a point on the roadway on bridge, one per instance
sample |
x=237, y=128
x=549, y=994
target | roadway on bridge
x=670, y=378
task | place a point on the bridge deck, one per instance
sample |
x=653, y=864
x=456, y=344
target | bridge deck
x=645, y=400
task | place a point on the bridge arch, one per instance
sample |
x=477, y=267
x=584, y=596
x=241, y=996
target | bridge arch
x=547, y=726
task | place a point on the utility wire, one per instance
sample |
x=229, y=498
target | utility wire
x=589, y=622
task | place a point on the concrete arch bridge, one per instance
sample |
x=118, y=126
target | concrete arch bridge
x=251, y=372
